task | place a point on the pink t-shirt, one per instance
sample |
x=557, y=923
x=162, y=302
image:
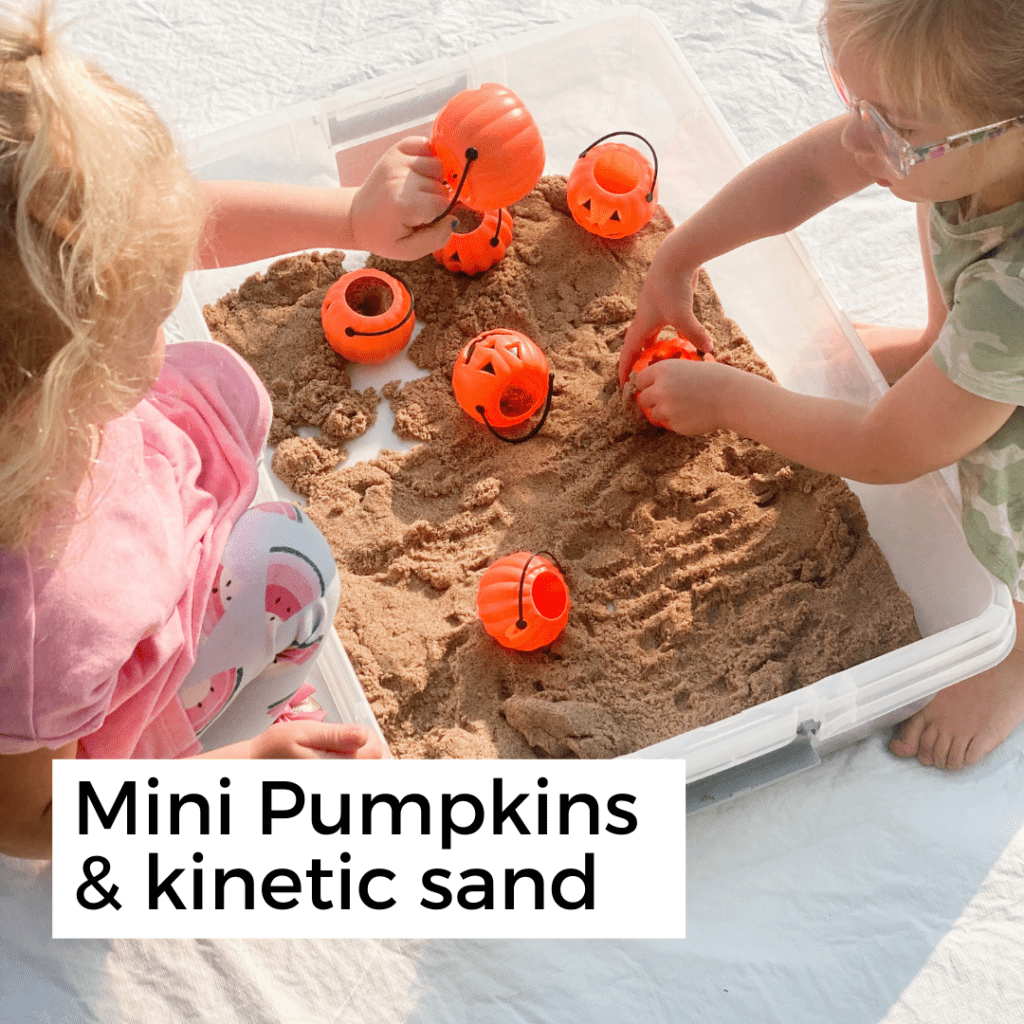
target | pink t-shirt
x=96, y=644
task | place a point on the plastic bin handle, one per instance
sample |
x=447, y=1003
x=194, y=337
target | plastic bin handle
x=758, y=772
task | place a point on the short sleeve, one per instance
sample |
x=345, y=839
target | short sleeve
x=981, y=345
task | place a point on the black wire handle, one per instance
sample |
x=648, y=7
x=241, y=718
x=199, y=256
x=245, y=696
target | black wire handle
x=536, y=430
x=497, y=231
x=351, y=332
x=471, y=155
x=654, y=180
x=522, y=623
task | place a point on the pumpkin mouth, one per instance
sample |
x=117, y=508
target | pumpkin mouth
x=369, y=297
x=516, y=401
x=466, y=220
x=549, y=594
x=618, y=171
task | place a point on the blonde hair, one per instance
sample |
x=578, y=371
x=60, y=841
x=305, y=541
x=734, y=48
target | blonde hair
x=99, y=222
x=963, y=58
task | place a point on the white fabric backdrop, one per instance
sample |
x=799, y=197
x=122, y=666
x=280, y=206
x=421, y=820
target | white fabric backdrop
x=869, y=889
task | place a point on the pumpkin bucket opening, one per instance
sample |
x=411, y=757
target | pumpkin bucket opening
x=618, y=171
x=466, y=220
x=369, y=297
x=517, y=401
x=549, y=594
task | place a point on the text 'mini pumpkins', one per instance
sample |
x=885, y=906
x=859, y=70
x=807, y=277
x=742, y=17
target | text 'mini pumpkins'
x=367, y=316
x=490, y=147
x=612, y=190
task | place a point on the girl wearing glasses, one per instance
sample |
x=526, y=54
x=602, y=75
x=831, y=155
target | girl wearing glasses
x=934, y=93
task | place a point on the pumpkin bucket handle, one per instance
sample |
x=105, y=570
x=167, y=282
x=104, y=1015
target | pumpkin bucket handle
x=540, y=423
x=495, y=238
x=351, y=332
x=471, y=155
x=522, y=623
x=497, y=231
x=654, y=180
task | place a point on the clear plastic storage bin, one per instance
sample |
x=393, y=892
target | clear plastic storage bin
x=581, y=79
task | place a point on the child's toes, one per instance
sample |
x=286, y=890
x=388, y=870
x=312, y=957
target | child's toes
x=984, y=743
x=926, y=745
x=940, y=749
x=907, y=736
x=955, y=760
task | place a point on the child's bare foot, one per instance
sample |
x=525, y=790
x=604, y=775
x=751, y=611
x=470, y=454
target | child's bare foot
x=966, y=721
x=894, y=349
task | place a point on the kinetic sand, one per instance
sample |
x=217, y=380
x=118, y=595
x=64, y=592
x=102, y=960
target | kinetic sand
x=706, y=574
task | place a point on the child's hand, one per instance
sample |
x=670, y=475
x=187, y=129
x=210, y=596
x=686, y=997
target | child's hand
x=666, y=298
x=403, y=193
x=683, y=395
x=310, y=739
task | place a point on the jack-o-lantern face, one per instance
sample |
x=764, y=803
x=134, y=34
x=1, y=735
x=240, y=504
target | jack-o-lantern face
x=367, y=316
x=668, y=348
x=612, y=190
x=501, y=378
x=477, y=242
x=488, y=137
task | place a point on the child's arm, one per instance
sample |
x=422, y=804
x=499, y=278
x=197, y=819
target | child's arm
x=305, y=739
x=924, y=422
x=386, y=215
x=25, y=801
x=26, y=825
x=773, y=195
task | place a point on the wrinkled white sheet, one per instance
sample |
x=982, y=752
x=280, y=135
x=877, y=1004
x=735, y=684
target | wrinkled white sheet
x=868, y=889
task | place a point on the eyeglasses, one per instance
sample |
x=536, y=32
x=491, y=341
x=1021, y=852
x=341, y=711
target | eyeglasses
x=898, y=154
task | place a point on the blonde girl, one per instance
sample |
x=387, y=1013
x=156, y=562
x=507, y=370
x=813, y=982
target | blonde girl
x=934, y=93
x=126, y=473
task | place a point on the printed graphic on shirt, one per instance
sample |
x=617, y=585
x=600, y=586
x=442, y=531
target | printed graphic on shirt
x=282, y=508
x=215, y=606
x=293, y=581
x=222, y=687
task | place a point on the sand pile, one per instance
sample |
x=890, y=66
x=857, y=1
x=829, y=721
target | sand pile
x=707, y=574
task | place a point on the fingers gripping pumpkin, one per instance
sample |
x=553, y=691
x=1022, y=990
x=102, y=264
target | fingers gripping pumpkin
x=667, y=348
x=490, y=147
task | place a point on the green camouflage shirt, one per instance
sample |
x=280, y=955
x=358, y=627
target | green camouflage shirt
x=979, y=265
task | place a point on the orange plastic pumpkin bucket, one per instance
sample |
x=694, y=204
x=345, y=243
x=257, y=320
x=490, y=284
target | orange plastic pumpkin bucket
x=367, y=316
x=613, y=189
x=668, y=348
x=490, y=147
x=501, y=378
x=477, y=242
x=523, y=601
